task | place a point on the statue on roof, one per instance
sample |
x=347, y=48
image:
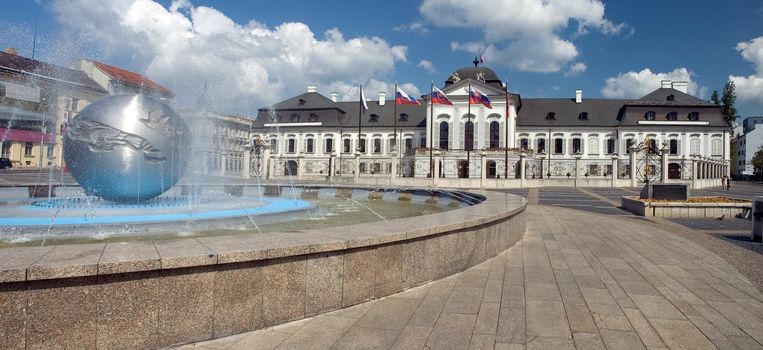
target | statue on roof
x=481, y=77
x=455, y=77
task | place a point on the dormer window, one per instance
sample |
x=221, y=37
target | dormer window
x=694, y=116
x=302, y=101
x=672, y=116
x=374, y=118
x=583, y=116
x=313, y=117
x=671, y=98
x=550, y=116
x=649, y=115
x=295, y=118
x=403, y=117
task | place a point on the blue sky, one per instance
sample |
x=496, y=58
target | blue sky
x=621, y=49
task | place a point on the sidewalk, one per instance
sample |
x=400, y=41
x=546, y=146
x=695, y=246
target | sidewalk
x=576, y=280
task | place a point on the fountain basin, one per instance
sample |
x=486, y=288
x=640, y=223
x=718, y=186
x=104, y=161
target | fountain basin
x=155, y=294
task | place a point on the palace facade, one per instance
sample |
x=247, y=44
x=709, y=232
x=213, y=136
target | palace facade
x=534, y=140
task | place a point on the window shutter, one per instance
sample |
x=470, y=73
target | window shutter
x=501, y=134
x=678, y=147
x=486, y=139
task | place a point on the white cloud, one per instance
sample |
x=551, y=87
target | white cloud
x=750, y=88
x=427, y=65
x=351, y=92
x=523, y=34
x=575, y=69
x=246, y=65
x=637, y=84
x=417, y=27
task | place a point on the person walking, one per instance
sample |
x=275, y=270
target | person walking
x=728, y=183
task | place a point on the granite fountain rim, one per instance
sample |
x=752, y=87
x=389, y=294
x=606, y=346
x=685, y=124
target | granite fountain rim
x=18, y=264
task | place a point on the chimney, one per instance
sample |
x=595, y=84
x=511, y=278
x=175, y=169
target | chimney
x=578, y=96
x=666, y=84
x=334, y=96
x=681, y=86
x=312, y=88
x=12, y=51
x=382, y=98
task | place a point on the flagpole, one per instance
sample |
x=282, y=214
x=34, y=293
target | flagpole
x=506, y=138
x=394, y=128
x=360, y=112
x=468, y=120
x=431, y=129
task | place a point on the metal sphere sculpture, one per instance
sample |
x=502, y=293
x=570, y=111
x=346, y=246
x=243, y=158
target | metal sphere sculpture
x=126, y=148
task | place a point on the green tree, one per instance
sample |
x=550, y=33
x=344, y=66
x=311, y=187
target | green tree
x=757, y=161
x=714, y=98
x=728, y=108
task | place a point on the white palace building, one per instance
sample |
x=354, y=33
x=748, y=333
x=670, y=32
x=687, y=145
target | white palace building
x=666, y=136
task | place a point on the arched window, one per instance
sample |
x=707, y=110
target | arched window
x=444, y=129
x=494, y=134
x=469, y=135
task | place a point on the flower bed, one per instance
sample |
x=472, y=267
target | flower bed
x=698, y=207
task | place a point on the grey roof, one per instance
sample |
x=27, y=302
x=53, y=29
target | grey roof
x=601, y=112
x=308, y=100
x=16, y=64
x=342, y=114
x=471, y=73
x=661, y=97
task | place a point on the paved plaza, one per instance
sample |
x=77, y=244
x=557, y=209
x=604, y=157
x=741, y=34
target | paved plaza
x=577, y=280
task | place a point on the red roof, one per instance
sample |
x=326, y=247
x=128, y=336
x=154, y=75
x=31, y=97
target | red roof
x=131, y=78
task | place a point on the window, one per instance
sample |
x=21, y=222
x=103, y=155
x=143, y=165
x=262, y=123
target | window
x=651, y=145
x=576, y=146
x=469, y=135
x=593, y=145
x=28, y=149
x=558, y=146
x=694, y=146
x=403, y=117
x=628, y=145
x=524, y=143
x=716, y=151
x=291, y=145
x=672, y=116
x=550, y=116
x=541, y=146
x=408, y=144
x=671, y=98
x=6, y=149
x=75, y=105
x=309, y=145
x=328, y=145
x=362, y=146
x=273, y=146
x=346, y=146
x=694, y=116
x=583, y=116
x=2, y=90
x=313, y=117
x=444, y=129
x=494, y=134
x=649, y=115
x=673, y=144
x=51, y=148
x=374, y=118
x=295, y=118
x=377, y=145
x=610, y=146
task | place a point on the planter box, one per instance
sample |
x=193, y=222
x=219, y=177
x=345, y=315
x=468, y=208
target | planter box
x=681, y=209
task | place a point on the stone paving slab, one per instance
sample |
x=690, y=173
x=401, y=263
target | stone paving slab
x=575, y=281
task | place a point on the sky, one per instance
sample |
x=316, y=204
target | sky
x=252, y=54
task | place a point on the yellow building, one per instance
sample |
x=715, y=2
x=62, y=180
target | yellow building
x=36, y=100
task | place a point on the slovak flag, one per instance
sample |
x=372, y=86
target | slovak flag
x=402, y=98
x=363, y=103
x=440, y=98
x=477, y=97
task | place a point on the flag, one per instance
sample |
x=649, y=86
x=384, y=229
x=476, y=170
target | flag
x=477, y=97
x=440, y=98
x=481, y=60
x=402, y=98
x=363, y=103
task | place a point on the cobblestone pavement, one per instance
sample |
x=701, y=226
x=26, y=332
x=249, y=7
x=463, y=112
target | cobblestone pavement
x=577, y=280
